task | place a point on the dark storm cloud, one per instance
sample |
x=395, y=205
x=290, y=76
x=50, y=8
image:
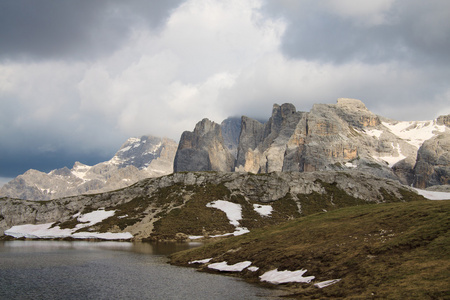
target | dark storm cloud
x=61, y=29
x=416, y=32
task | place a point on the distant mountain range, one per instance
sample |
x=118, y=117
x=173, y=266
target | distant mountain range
x=138, y=158
x=331, y=137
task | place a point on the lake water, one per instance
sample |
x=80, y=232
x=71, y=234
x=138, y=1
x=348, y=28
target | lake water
x=109, y=270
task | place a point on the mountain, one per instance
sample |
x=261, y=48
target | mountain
x=340, y=136
x=138, y=158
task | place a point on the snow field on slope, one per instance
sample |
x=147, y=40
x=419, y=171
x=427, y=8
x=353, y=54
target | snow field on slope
x=234, y=214
x=415, y=132
x=232, y=210
x=263, y=210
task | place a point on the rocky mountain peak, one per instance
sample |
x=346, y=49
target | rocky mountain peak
x=341, y=136
x=443, y=120
x=350, y=103
x=205, y=126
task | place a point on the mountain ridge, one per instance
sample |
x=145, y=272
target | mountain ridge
x=137, y=158
x=339, y=136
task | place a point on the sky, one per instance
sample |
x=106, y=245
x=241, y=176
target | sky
x=77, y=78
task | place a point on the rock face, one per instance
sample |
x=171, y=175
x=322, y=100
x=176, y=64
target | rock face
x=153, y=207
x=231, y=129
x=138, y=158
x=433, y=162
x=340, y=136
x=203, y=150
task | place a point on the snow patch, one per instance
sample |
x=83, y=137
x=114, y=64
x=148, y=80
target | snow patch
x=350, y=165
x=46, y=231
x=391, y=159
x=200, y=261
x=277, y=277
x=80, y=170
x=326, y=283
x=232, y=210
x=125, y=149
x=234, y=214
x=253, y=268
x=415, y=132
x=263, y=210
x=224, y=267
x=94, y=217
x=431, y=195
x=373, y=132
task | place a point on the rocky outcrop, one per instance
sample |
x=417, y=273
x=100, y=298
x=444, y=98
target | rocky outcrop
x=433, y=162
x=340, y=136
x=203, y=150
x=142, y=208
x=444, y=120
x=262, y=147
x=138, y=158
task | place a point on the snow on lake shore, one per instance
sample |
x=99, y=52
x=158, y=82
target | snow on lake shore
x=48, y=231
x=273, y=276
x=278, y=277
x=225, y=267
x=326, y=283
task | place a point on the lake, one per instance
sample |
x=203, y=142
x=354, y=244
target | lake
x=109, y=270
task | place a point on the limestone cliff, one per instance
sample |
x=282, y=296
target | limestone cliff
x=340, y=136
x=203, y=150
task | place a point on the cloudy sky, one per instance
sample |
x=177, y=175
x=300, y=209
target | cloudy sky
x=77, y=78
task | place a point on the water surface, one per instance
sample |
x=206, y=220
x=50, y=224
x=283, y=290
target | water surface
x=109, y=270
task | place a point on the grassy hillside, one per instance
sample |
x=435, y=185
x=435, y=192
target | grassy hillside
x=394, y=250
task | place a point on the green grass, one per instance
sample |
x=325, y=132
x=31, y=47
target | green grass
x=394, y=250
x=194, y=217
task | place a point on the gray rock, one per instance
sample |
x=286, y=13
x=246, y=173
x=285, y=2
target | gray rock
x=231, y=129
x=433, y=162
x=203, y=150
x=261, y=188
x=341, y=136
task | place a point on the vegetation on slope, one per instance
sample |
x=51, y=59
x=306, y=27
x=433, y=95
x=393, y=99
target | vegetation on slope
x=393, y=250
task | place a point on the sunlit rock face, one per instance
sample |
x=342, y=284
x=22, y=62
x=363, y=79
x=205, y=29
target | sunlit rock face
x=340, y=136
x=138, y=158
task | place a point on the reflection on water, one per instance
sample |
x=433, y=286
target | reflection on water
x=108, y=270
x=139, y=247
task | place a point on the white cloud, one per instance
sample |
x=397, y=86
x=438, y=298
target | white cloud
x=211, y=59
x=181, y=69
